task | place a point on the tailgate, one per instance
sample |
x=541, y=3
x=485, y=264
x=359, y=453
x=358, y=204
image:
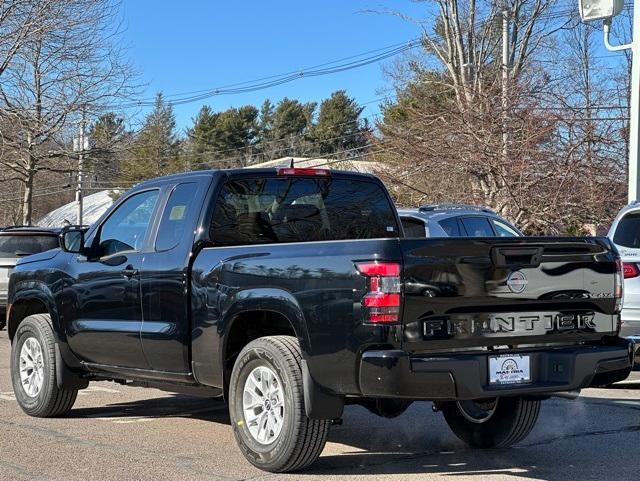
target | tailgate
x=465, y=293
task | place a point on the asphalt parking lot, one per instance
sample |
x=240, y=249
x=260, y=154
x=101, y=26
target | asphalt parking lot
x=123, y=433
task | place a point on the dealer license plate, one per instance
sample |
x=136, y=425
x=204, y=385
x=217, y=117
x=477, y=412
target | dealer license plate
x=509, y=369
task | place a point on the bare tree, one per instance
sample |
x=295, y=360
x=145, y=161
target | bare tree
x=19, y=20
x=443, y=135
x=69, y=65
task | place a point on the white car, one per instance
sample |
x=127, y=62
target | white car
x=625, y=234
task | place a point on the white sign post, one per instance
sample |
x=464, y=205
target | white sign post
x=605, y=10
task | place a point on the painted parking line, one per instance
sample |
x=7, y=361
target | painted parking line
x=10, y=396
x=92, y=389
x=7, y=396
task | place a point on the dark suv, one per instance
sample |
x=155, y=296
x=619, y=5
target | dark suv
x=455, y=220
x=20, y=241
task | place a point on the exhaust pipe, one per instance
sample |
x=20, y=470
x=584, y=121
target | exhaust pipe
x=567, y=394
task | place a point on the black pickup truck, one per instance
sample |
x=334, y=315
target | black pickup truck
x=292, y=292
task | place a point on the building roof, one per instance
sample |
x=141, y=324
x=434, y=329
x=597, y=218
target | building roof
x=93, y=206
x=362, y=166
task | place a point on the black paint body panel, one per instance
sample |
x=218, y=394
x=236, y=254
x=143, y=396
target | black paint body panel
x=171, y=321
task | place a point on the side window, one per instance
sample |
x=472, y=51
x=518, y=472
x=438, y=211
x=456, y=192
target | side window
x=504, y=230
x=477, y=227
x=173, y=225
x=628, y=231
x=450, y=226
x=413, y=227
x=126, y=228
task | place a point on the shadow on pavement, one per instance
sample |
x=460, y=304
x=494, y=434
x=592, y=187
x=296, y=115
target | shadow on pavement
x=580, y=439
x=584, y=439
x=172, y=405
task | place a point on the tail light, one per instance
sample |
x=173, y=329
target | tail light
x=630, y=270
x=619, y=284
x=382, y=301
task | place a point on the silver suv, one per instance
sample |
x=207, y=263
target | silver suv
x=625, y=234
x=455, y=220
x=17, y=242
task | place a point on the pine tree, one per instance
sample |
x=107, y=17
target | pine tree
x=292, y=124
x=155, y=149
x=108, y=138
x=223, y=139
x=339, y=127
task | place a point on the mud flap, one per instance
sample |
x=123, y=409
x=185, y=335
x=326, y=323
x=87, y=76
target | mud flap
x=318, y=403
x=65, y=377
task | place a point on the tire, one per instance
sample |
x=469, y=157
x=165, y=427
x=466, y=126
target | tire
x=294, y=442
x=41, y=397
x=509, y=422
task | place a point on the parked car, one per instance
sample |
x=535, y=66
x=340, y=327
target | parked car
x=21, y=241
x=455, y=220
x=625, y=234
x=291, y=292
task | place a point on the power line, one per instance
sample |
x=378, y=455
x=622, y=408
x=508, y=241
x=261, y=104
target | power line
x=275, y=80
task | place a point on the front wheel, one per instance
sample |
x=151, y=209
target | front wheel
x=266, y=406
x=33, y=370
x=492, y=423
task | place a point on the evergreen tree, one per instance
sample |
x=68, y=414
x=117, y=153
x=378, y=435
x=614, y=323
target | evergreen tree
x=108, y=138
x=201, y=137
x=155, y=149
x=265, y=122
x=338, y=127
x=292, y=124
x=224, y=139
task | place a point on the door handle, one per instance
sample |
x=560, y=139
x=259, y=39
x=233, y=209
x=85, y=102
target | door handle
x=129, y=272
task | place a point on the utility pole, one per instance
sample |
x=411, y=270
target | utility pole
x=505, y=83
x=80, y=144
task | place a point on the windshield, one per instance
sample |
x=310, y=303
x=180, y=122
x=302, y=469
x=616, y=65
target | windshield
x=24, y=245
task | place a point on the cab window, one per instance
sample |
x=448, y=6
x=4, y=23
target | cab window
x=126, y=228
x=174, y=223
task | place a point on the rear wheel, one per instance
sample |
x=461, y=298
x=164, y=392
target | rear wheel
x=33, y=370
x=266, y=405
x=492, y=423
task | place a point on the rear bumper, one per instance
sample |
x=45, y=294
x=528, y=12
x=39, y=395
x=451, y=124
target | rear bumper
x=465, y=376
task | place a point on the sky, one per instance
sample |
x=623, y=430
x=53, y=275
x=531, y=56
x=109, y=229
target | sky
x=188, y=45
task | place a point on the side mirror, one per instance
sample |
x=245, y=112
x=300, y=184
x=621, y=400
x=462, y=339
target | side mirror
x=72, y=240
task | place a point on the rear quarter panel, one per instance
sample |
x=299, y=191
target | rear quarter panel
x=314, y=284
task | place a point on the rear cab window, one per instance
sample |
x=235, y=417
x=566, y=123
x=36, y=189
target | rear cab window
x=301, y=209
